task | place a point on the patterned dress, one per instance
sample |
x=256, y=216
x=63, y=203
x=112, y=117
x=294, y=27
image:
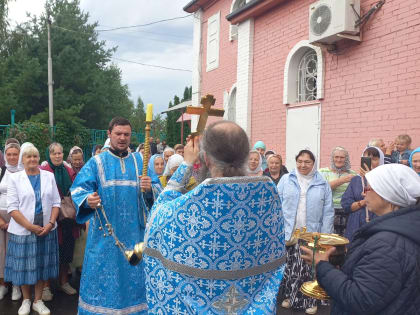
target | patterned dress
x=218, y=249
x=341, y=217
x=109, y=285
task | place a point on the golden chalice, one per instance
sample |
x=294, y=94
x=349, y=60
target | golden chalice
x=321, y=242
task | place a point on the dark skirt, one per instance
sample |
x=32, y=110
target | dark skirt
x=340, y=221
x=296, y=273
x=67, y=240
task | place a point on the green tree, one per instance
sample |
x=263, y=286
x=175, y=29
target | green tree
x=173, y=129
x=87, y=87
x=138, y=116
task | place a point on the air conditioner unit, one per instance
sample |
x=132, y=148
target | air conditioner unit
x=331, y=20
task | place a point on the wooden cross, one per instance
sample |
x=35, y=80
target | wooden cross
x=205, y=111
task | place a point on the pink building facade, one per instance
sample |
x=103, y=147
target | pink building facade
x=258, y=59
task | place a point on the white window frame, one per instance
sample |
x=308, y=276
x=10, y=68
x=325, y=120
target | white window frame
x=212, y=60
x=290, y=86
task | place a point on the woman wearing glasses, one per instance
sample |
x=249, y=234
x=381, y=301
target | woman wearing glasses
x=306, y=202
x=353, y=201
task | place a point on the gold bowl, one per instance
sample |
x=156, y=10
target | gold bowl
x=314, y=290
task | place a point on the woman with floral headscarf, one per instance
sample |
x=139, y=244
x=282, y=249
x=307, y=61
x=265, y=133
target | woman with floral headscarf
x=338, y=175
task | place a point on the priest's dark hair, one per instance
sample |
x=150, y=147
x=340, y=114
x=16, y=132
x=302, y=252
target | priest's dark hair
x=227, y=146
x=118, y=121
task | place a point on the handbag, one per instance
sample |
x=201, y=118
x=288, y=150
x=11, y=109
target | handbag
x=67, y=209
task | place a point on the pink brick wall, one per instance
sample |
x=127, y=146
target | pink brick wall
x=372, y=89
x=221, y=79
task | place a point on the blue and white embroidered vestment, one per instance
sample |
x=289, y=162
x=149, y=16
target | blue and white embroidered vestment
x=109, y=285
x=218, y=249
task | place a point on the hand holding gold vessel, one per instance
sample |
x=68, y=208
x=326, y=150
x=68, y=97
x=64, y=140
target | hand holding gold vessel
x=307, y=255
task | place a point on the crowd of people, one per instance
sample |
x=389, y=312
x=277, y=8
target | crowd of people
x=43, y=230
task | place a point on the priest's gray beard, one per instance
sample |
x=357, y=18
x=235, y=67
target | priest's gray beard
x=203, y=172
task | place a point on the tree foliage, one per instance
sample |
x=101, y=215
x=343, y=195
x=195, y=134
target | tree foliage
x=88, y=90
x=173, y=129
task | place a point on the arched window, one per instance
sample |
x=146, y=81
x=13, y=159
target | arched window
x=232, y=105
x=303, y=74
x=307, y=77
x=233, y=30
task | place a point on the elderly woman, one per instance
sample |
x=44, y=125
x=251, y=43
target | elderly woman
x=11, y=152
x=414, y=160
x=254, y=164
x=173, y=163
x=260, y=147
x=353, y=201
x=156, y=168
x=381, y=274
x=67, y=228
x=32, y=254
x=275, y=168
x=75, y=159
x=307, y=202
x=167, y=153
x=338, y=175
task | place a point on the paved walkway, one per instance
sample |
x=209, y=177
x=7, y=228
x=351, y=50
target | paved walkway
x=63, y=304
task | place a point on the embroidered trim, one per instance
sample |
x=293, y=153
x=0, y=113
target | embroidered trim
x=214, y=274
x=237, y=180
x=77, y=190
x=180, y=178
x=113, y=311
x=109, y=183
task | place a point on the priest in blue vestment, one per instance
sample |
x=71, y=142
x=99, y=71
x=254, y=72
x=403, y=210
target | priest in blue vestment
x=109, y=284
x=219, y=248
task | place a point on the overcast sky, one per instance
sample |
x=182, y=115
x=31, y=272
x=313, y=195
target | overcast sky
x=166, y=44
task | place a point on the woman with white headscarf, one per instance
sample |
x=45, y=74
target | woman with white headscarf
x=381, y=274
x=338, y=175
x=306, y=201
x=353, y=201
x=171, y=166
x=254, y=164
x=11, y=153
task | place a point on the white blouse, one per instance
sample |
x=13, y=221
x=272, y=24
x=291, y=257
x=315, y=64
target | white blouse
x=3, y=191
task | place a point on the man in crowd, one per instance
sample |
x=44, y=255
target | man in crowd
x=220, y=247
x=159, y=149
x=106, y=192
x=153, y=147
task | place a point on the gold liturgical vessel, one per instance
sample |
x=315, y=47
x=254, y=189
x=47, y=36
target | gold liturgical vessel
x=321, y=242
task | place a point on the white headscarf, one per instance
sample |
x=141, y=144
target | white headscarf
x=22, y=149
x=304, y=180
x=107, y=144
x=169, y=149
x=258, y=169
x=381, y=154
x=173, y=161
x=396, y=183
x=12, y=168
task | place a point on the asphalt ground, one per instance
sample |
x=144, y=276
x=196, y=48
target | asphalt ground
x=63, y=304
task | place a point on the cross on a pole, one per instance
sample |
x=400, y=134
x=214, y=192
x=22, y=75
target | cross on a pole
x=205, y=111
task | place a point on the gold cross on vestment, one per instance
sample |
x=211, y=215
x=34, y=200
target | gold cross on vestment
x=205, y=111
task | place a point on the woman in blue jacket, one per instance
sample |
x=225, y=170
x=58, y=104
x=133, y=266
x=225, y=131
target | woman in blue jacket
x=306, y=202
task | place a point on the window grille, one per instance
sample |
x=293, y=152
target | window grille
x=307, y=77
